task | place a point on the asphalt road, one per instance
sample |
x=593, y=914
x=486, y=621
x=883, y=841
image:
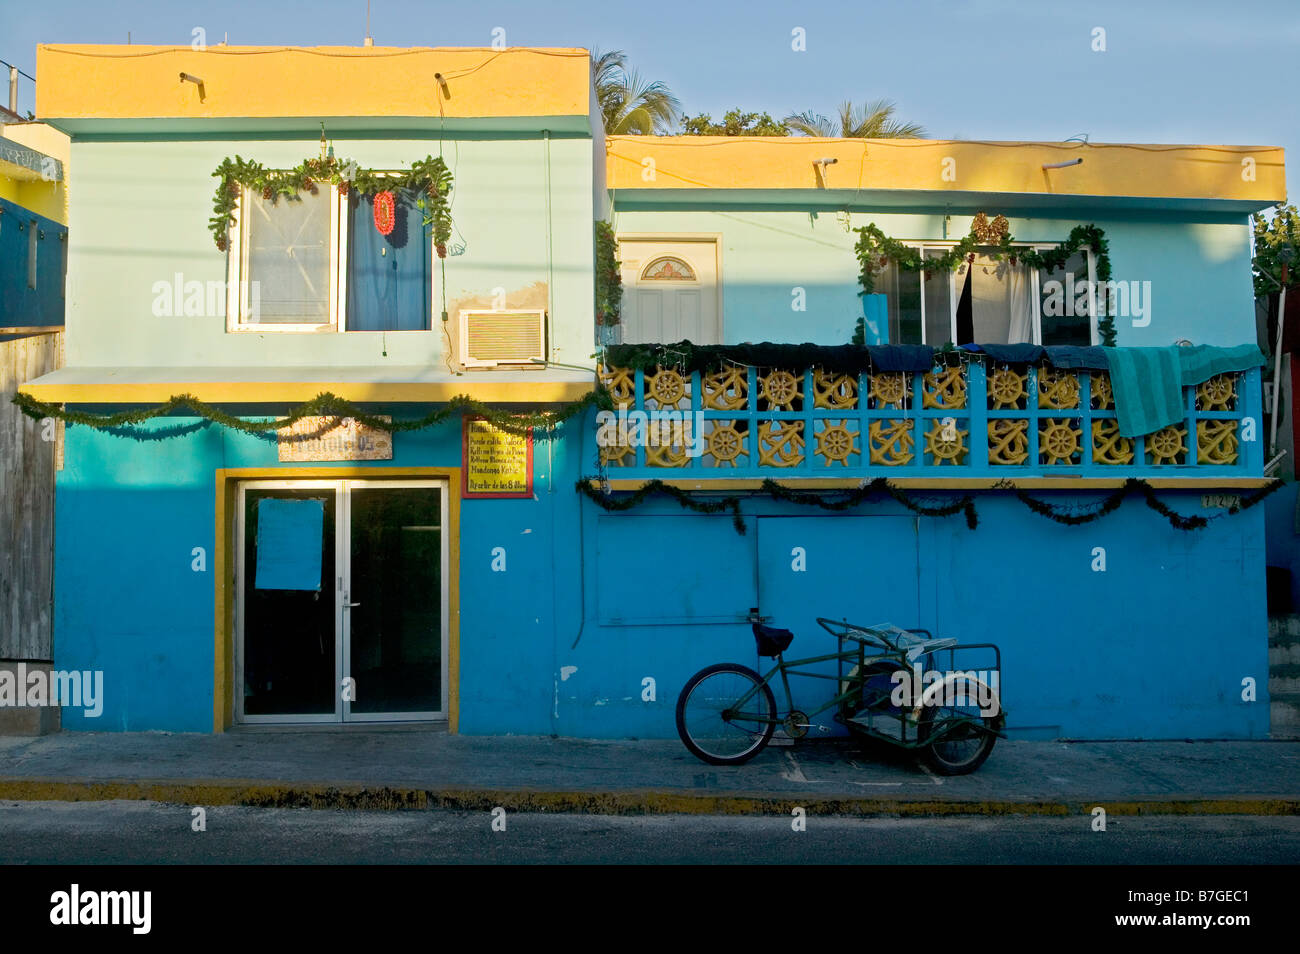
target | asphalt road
x=123, y=832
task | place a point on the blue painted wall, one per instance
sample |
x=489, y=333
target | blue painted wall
x=1155, y=646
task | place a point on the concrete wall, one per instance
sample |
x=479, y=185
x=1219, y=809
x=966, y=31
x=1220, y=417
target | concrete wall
x=1198, y=266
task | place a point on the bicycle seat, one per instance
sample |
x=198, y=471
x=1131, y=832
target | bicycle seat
x=772, y=641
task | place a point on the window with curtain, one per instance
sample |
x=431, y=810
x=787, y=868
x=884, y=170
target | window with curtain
x=1009, y=304
x=389, y=277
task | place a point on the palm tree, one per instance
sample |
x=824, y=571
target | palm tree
x=871, y=121
x=629, y=103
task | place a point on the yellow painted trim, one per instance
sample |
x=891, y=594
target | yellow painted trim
x=954, y=483
x=138, y=81
x=269, y=392
x=1108, y=169
x=227, y=480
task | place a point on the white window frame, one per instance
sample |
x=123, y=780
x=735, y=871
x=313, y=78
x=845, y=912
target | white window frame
x=342, y=213
x=238, y=307
x=954, y=293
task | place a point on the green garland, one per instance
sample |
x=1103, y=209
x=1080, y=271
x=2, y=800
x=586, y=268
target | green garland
x=1112, y=501
x=838, y=500
x=609, y=281
x=874, y=249
x=684, y=500
x=323, y=405
x=429, y=176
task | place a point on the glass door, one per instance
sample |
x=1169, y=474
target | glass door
x=341, y=613
x=288, y=608
x=395, y=607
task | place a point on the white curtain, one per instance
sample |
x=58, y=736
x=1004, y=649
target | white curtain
x=1022, y=323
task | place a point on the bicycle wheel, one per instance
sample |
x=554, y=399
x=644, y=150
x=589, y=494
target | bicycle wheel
x=957, y=749
x=711, y=725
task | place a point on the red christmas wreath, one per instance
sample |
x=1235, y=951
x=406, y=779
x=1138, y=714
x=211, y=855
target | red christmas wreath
x=385, y=215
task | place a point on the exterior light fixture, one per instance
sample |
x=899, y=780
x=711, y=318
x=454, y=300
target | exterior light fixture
x=189, y=78
x=819, y=166
x=1062, y=165
x=442, y=83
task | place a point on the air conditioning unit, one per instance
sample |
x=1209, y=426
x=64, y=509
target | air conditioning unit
x=492, y=339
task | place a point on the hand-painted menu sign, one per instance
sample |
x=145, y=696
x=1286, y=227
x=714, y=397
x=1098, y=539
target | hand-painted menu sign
x=333, y=438
x=496, y=462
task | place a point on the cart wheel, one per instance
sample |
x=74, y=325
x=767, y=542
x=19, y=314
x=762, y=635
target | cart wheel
x=960, y=750
x=711, y=724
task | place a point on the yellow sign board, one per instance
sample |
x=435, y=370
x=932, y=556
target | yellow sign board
x=496, y=462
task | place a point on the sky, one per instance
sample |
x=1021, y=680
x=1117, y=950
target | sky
x=1172, y=71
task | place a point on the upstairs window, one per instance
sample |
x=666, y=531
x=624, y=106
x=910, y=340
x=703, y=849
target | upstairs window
x=316, y=262
x=1009, y=304
x=284, y=263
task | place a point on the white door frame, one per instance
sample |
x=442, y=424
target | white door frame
x=711, y=237
x=342, y=585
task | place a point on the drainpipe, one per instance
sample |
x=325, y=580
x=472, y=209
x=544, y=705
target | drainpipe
x=1284, y=255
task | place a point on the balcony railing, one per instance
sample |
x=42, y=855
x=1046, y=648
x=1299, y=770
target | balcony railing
x=967, y=420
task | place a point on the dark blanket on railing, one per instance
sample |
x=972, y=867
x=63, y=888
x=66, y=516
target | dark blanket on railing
x=838, y=359
x=1073, y=357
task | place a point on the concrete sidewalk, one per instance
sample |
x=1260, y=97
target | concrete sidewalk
x=422, y=767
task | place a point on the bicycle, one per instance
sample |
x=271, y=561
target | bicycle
x=727, y=713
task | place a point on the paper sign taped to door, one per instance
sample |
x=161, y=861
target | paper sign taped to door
x=289, y=535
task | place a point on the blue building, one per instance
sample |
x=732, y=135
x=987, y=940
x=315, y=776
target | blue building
x=896, y=404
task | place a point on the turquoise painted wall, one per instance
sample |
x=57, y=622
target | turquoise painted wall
x=1199, y=268
x=1155, y=646
x=141, y=217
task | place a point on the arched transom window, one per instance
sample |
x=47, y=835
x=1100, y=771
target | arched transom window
x=668, y=269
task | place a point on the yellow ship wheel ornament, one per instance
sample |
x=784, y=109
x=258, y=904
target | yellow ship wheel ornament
x=945, y=442
x=836, y=443
x=1217, y=393
x=779, y=389
x=1058, y=441
x=667, y=387
x=1006, y=387
x=614, y=454
x=1165, y=445
x=888, y=388
x=725, y=442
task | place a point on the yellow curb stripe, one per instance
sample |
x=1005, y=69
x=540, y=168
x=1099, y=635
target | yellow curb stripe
x=321, y=796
